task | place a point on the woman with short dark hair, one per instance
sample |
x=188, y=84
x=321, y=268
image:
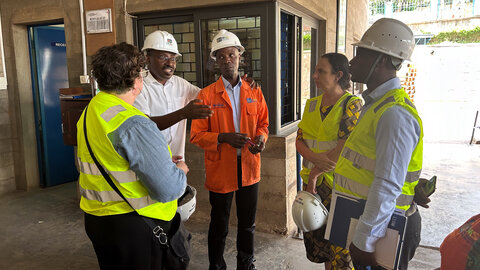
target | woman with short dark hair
x=135, y=155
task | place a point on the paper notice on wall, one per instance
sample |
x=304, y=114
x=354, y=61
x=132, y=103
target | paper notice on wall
x=99, y=21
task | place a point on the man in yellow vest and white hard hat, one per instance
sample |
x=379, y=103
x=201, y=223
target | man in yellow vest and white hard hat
x=382, y=159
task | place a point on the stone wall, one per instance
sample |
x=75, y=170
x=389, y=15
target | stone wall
x=7, y=177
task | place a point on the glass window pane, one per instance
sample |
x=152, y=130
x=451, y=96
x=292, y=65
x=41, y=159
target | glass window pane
x=247, y=30
x=184, y=35
x=287, y=87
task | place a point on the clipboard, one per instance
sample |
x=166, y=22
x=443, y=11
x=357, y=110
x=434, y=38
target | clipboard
x=345, y=210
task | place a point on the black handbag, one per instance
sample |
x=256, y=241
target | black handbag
x=176, y=243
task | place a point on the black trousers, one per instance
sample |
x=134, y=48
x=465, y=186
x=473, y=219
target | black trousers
x=246, y=202
x=411, y=242
x=125, y=242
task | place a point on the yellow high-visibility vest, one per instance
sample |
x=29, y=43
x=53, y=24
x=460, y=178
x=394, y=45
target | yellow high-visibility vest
x=354, y=173
x=321, y=135
x=106, y=113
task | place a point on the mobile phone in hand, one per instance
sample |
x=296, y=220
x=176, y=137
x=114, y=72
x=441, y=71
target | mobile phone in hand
x=430, y=186
x=250, y=142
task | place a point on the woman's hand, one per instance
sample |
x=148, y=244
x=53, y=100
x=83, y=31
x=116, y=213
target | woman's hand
x=323, y=163
x=312, y=180
x=182, y=166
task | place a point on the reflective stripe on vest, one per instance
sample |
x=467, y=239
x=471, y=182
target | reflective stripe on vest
x=112, y=196
x=111, y=112
x=121, y=176
x=322, y=146
x=358, y=160
x=362, y=190
x=350, y=184
x=318, y=145
x=413, y=176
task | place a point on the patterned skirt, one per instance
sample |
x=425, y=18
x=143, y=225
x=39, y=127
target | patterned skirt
x=320, y=250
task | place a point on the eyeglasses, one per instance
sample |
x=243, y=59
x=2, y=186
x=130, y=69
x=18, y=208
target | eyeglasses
x=144, y=73
x=165, y=58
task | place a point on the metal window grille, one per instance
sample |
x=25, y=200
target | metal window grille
x=247, y=30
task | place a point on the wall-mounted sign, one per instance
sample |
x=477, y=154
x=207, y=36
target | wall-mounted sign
x=99, y=21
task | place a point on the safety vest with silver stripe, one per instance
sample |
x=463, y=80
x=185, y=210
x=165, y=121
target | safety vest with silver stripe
x=320, y=135
x=106, y=113
x=355, y=169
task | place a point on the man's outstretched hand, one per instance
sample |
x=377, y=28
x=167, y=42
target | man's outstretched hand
x=195, y=110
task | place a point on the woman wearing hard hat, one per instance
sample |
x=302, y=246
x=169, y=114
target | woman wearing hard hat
x=327, y=121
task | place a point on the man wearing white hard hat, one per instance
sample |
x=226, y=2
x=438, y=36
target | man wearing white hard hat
x=232, y=138
x=382, y=159
x=166, y=98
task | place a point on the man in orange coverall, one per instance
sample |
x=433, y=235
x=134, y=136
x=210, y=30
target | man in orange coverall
x=232, y=138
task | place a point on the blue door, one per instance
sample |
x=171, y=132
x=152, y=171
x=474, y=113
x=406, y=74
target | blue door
x=48, y=58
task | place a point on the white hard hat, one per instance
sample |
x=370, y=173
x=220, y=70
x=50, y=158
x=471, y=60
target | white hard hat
x=389, y=36
x=224, y=39
x=187, y=203
x=309, y=214
x=161, y=41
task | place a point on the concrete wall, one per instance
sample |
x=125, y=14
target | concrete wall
x=18, y=157
x=17, y=140
x=435, y=27
x=7, y=176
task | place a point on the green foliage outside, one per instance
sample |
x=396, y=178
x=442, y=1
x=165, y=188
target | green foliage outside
x=463, y=36
x=307, y=41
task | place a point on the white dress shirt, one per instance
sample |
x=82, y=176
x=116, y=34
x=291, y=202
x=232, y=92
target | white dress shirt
x=157, y=99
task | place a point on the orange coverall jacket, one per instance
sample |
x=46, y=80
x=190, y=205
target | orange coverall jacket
x=221, y=159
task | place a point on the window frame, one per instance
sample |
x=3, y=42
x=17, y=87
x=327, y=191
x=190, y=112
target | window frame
x=344, y=29
x=316, y=25
x=3, y=79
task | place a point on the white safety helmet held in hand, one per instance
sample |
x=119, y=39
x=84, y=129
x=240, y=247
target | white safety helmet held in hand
x=389, y=36
x=187, y=202
x=161, y=41
x=309, y=214
x=224, y=39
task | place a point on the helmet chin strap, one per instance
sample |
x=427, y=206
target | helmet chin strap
x=372, y=68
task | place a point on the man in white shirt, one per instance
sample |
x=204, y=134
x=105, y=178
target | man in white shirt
x=166, y=98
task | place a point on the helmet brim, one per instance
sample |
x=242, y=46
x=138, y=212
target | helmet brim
x=240, y=48
x=144, y=49
x=373, y=48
